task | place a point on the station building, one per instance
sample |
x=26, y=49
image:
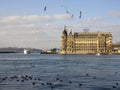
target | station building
x=86, y=42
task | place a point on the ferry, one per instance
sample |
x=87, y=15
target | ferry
x=26, y=51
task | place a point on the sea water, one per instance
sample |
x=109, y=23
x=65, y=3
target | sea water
x=59, y=72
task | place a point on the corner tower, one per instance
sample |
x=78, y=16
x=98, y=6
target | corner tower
x=64, y=41
x=70, y=43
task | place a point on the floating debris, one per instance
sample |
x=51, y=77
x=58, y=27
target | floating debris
x=114, y=86
x=33, y=83
x=70, y=81
x=80, y=84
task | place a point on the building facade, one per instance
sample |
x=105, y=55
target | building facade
x=86, y=42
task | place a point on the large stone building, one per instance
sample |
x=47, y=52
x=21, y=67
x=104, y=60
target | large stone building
x=86, y=42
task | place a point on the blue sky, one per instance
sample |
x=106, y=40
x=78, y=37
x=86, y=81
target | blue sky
x=24, y=23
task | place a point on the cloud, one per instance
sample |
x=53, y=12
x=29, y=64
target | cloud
x=62, y=17
x=42, y=31
x=31, y=22
x=34, y=18
x=29, y=34
x=91, y=20
x=48, y=36
x=95, y=26
x=114, y=14
x=106, y=26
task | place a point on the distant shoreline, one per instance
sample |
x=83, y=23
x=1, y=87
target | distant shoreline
x=8, y=52
x=18, y=50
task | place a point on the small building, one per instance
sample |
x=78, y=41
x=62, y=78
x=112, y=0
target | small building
x=86, y=42
x=51, y=51
x=116, y=48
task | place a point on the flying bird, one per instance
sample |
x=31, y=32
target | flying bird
x=72, y=16
x=80, y=15
x=67, y=11
x=45, y=8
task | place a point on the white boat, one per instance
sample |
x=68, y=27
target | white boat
x=98, y=54
x=26, y=51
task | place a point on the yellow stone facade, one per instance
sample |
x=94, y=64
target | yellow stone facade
x=86, y=42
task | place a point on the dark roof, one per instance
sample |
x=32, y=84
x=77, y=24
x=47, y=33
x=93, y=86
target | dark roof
x=65, y=31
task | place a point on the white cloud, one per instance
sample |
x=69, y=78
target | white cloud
x=62, y=17
x=34, y=18
x=106, y=26
x=91, y=20
x=29, y=34
x=115, y=13
x=30, y=30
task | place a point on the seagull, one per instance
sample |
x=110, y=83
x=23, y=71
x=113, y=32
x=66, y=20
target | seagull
x=80, y=15
x=45, y=8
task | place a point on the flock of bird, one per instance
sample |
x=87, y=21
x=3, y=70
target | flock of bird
x=39, y=81
x=20, y=79
x=67, y=11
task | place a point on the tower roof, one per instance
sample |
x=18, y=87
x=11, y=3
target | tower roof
x=65, y=31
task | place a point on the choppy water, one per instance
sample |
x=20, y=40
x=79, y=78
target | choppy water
x=59, y=72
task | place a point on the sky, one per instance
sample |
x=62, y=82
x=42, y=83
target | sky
x=25, y=23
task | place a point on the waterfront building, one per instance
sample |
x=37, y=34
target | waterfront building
x=116, y=48
x=86, y=42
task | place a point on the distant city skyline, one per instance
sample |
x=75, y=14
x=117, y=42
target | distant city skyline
x=39, y=23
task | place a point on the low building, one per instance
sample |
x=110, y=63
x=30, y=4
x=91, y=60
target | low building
x=86, y=42
x=116, y=48
x=51, y=51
